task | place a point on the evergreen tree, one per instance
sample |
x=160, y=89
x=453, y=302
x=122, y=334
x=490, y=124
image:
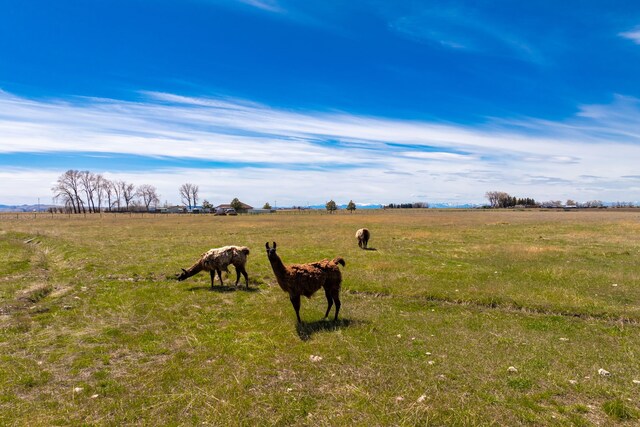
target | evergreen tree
x=331, y=206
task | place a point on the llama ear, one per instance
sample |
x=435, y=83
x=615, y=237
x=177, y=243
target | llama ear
x=185, y=271
x=274, y=245
x=267, y=245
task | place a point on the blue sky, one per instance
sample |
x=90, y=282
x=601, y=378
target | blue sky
x=300, y=102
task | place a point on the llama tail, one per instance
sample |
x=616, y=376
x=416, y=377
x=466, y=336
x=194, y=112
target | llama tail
x=244, y=250
x=339, y=260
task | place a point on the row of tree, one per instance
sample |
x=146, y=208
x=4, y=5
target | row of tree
x=331, y=206
x=88, y=192
x=500, y=199
x=415, y=205
x=624, y=205
x=85, y=191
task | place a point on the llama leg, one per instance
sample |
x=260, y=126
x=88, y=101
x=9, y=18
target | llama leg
x=220, y=277
x=238, y=269
x=213, y=277
x=246, y=276
x=336, y=297
x=295, y=301
x=327, y=293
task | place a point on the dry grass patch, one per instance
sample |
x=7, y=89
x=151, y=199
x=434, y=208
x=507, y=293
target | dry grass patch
x=35, y=292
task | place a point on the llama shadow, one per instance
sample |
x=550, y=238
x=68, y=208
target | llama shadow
x=306, y=330
x=370, y=249
x=223, y=289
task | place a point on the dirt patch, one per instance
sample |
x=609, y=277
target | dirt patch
x=541, y=249
x=60, y=290
x=368, y=293
x=35, y=293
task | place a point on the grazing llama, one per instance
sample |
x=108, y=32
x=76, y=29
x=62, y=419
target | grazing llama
x=363, y=237
x=218, y=259
x=306, y=279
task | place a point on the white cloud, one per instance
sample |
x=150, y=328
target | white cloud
x=633, y=35
x=297, y=157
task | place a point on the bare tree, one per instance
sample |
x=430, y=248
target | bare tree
x=624, y=205
x=107, y=188
x=185, y=194
x=67, y=189
x=492, y=196
x=188, y=194
x=127, y=190
x=100, y=190
x=194, y=194
x=592, y=204
x=116, y=187
x=88, y=184
x=499, y=199
x=148, y=194
x=63, y=194
x=551, y=204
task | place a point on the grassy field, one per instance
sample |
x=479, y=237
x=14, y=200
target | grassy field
x=96, y=331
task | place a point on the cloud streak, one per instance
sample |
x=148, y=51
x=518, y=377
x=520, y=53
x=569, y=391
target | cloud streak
x=268, y=5
x=633, y=35
x=241, y=148
x=463, y=29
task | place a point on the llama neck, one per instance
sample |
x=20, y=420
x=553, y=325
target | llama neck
x=194, y=269
x=279, y=269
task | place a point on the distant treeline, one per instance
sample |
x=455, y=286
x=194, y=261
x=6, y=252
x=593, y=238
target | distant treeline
x=415, y=205
x=500, y=199
x=85, y=191
x=88, y=192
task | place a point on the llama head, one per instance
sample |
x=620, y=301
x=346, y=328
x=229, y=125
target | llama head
x=182, y=275
x=271, y=252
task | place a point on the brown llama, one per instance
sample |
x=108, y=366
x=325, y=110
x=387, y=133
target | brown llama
x=363, y=237
x=218, y=259
x=306, y=279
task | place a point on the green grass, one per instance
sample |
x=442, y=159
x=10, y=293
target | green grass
x=619, y=410
x=95, y=330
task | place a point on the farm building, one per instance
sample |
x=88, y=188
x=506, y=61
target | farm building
x=243, y=209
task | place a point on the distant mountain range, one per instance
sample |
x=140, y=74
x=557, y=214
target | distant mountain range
x=24, y=208
x=454, y=205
